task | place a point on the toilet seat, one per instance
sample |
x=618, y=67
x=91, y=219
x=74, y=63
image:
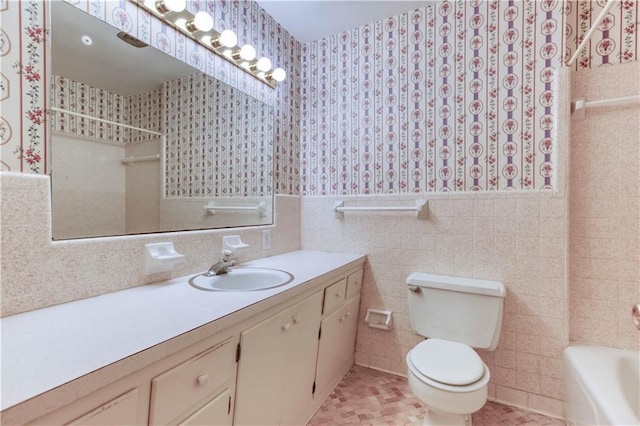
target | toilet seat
x=447, y=365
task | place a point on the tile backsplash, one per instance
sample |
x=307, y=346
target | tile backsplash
x=38, y=272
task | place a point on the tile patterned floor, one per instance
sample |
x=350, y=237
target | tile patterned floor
x=371, y=397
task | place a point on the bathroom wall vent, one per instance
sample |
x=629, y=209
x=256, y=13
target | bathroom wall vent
x=129, y=39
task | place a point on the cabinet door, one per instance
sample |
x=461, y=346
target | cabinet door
x=215, y=412
x=261, y=371
x=335, y=353
x=302, y=351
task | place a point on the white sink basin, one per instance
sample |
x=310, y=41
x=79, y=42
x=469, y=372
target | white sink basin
x=242, y=279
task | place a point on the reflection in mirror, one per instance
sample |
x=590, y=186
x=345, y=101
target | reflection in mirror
x=142, y=142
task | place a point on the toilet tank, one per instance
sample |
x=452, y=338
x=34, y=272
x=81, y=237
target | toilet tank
x=462, y=310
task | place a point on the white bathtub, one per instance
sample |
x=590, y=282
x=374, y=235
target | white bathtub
x=601, y=386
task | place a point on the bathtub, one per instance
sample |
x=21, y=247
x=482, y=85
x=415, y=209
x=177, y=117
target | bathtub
x=601, y=386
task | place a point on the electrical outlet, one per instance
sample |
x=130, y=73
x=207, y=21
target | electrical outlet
x=266, y=239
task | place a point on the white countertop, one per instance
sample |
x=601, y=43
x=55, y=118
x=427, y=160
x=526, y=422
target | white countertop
x=49, y=347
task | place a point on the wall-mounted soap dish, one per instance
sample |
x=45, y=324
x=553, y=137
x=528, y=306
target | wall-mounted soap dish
x=160, y=257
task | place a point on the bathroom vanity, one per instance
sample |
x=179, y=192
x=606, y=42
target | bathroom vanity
x=169, y=353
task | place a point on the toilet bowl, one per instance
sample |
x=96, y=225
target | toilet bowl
x=449, y=378
x=455, y=315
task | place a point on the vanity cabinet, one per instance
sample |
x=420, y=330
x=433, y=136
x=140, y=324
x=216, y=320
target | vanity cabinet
x=338, y=333
x=273, y=366
x=277, y=366
x=195, y=386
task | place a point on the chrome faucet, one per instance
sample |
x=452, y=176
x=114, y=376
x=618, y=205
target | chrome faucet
x=222, y=265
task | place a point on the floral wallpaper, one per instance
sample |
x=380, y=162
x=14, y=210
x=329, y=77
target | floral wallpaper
x=473, y=135
x=616, y=40
x=24, y=64
x=197, y=164
x=454, y=96
x=23, y=83
x=143, y=110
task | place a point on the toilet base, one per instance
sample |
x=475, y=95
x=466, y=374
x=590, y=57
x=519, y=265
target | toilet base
x=433, y=418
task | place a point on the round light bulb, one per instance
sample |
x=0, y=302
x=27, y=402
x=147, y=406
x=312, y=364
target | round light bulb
x=182, y=23
x=165, y=6
x=203, y=21
x=248, y=52
x=279, y=74
x=228, y=38
x=263, y=64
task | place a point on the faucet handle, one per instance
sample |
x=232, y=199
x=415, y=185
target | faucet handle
x=226, y=255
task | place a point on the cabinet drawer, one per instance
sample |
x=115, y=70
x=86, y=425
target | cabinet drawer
x=119, y=411
x=334, y=296
x=182, y=388
x=354, y=284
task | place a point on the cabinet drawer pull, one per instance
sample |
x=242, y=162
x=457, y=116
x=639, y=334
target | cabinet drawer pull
x=342, y=318
x=286, y=326
x=202, y=379
x=296, y=319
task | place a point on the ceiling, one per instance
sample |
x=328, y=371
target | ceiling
x=109, y=63
x=310, y=20
x=115, y=66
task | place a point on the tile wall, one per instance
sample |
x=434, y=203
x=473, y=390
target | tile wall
x=605, y=210
x=514, y=237
x=37, y=272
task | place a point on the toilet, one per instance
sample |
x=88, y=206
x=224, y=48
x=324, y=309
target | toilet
x=455, y=315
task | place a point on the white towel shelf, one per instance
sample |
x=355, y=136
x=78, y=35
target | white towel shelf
x=420, y=208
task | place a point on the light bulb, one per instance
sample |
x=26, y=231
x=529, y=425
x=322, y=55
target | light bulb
x=248, y=52
x=165, y=6
x=201, y=22
x=263, y=64
x=228, y=38
x=279, y=74
x=182, y=23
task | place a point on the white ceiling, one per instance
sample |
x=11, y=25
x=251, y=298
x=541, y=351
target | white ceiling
x=310, y=20
x=109, y=63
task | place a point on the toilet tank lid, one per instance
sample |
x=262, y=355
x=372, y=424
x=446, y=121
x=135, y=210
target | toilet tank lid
x=465, y=285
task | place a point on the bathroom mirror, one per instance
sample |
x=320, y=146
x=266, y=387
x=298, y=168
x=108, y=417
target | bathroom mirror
x=141, y=142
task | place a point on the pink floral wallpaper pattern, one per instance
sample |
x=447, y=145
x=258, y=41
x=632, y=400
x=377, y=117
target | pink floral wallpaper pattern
x=430, y=157
x=22, y=122
x=454, y=96
x=143, y=110
x=200, y=113
x=616, y=40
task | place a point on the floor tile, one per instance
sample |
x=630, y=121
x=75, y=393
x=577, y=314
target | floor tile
x=371, y=397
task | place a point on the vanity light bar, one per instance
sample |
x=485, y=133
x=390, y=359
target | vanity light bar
x=199, y=27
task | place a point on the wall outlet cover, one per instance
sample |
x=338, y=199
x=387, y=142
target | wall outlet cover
x=266, y=239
